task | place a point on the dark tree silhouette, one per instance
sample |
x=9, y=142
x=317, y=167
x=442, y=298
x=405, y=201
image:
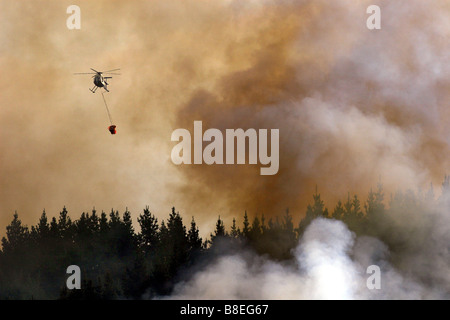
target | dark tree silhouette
x=149, y=237
x=194, y=239
x=219, y=232
x=116, y=262
x=312, y=212
x=235, y=232
x=16, y=236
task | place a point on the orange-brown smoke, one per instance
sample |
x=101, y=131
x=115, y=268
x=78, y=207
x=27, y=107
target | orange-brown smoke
x=354, y=106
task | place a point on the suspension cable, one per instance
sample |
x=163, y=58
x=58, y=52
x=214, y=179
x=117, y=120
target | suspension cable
x=107, y=110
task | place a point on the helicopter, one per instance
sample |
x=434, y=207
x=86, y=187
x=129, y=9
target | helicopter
x=99, y=80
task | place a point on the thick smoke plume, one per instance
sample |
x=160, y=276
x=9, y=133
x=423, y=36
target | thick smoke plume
x=354, y=106
x=330, y=263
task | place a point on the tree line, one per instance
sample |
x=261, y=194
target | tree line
x=119, y=263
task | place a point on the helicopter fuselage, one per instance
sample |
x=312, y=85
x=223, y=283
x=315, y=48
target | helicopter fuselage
x=99, y=81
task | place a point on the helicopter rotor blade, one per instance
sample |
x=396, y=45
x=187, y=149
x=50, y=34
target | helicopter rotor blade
x=116, y=74
x=84, y=73
x=111, y=70
x=95, y=70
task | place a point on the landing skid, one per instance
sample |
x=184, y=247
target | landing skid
x=95, y=89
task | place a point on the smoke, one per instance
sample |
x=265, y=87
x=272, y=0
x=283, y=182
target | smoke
x=353, y=106
x=330, y=263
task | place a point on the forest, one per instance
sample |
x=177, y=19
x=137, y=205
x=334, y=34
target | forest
x=119, y=263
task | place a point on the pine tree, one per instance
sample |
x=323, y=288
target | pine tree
x=263, y=224
x=219, y=232
x=16, y=235
x=194, y=239
x=287, y=222
x=128, y=223
x=288, y=235
x=338, y=212
x=312, y=212
x=374, y=206
x=352, y=215
x=235, y=232
x=93, y=222
x=348, y=207
x=446, y=185
x=103, y=224
x=121, y=234
x=174, y=249
x=246, y=228
x=65, y=225
x=43, y=227
x=149, y=237
x=255, y=230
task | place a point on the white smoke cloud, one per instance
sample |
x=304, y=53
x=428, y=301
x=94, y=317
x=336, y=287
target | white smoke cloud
x=330, y=263
x=355, y=105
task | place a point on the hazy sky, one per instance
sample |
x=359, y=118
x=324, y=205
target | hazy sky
x=354, y=107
